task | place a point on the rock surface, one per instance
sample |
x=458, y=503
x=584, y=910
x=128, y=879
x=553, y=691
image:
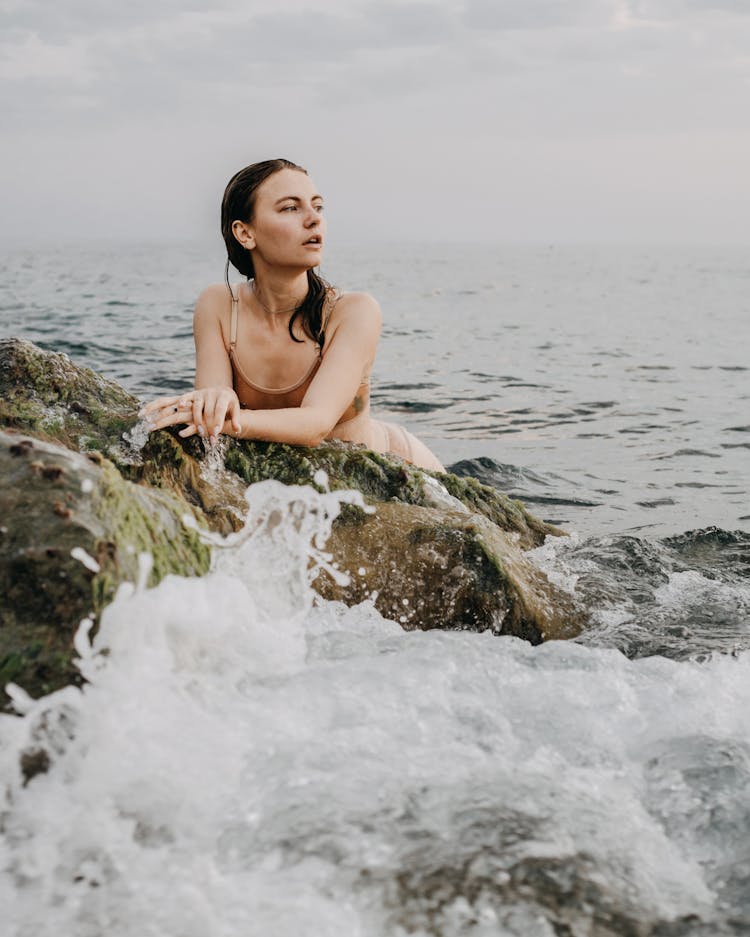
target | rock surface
x=435, y=568
x=72, y=529
x=439, y=552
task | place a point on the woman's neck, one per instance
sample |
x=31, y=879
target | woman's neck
x=278, y=295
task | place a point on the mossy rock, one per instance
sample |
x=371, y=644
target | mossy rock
x=428, y=568
x=52, y=501
x=44, y=393
x=451, y=547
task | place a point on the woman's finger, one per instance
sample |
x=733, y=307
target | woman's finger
x=158, y=404
x=219, y=414
x=190, y=430
x=168, y=417
x=197, y=414
x=233, y=413
x=183, y=400
x=212, y=406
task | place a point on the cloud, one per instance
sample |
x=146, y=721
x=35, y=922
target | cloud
x=24, y=56
x=669, y=11
x=539, y=14
x=168, y=55
x=76, y=19
x=396, y=99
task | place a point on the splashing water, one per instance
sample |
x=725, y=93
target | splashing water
x=137, y=437
x=683, y=597
x=212, y=464
x=246, y=759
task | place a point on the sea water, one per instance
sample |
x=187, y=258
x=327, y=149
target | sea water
x=608, y=387
x=246, y=759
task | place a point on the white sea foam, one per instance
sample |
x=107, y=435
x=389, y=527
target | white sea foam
x=550, y=558
x=248, y=760
x=691, y=587
x=78, y=553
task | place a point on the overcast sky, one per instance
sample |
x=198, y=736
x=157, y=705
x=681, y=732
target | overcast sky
x=541, y=120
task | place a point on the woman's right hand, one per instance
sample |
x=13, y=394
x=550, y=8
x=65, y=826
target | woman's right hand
x=204, y=411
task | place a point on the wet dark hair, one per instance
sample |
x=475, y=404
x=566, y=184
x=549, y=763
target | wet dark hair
x=238, y=204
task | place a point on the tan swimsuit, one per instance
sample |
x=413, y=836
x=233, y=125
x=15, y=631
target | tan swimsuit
x=355, y=424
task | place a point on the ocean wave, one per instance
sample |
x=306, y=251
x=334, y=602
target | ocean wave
x=246, y=758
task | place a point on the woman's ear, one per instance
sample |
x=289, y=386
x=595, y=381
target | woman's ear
x=243, y=234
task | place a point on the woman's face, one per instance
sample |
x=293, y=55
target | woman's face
x=288, y=227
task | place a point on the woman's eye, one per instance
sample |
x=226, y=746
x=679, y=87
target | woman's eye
x=296, y=208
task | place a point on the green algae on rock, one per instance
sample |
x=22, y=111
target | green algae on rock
x=54, y=501
x=382, y=478
x=379, y=477
x=44, y=393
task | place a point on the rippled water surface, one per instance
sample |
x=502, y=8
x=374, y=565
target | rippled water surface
x=608, y=386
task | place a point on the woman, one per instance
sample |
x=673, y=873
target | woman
x=282, y=357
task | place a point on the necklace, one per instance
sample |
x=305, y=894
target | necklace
x=272, y=312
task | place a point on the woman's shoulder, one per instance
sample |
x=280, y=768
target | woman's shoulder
x=214, y=301
x=356, y=304
x=355, y=317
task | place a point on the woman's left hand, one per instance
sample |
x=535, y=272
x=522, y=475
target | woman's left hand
x=197, y=408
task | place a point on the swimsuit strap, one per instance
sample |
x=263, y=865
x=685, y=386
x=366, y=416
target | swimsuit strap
x=233, y=326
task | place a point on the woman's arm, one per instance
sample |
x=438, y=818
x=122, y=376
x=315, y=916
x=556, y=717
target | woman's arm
x=213, y=368
x=351, y=349
x=204, y=412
